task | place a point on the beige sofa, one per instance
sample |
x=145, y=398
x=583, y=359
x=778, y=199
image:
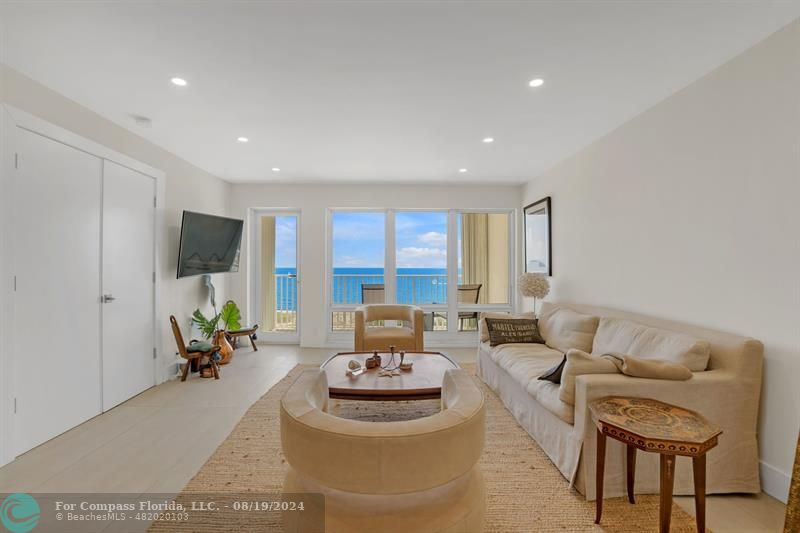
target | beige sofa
x=391, y=477
x=727, y=393
x=406, y=337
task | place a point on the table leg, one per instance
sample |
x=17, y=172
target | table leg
x=667, y=482
x=631, y=471
x=601, y=464
x=699, y=467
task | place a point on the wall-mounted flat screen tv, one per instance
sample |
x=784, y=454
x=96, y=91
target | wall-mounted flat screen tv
x=209, y=244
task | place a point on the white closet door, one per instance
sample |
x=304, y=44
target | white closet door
x=128, y=265
x=57, y=301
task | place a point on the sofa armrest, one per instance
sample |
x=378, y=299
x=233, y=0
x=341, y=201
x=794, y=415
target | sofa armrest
x=721, y=396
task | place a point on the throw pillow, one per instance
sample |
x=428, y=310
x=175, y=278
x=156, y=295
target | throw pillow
x=199, y=346
x=484, y=333
x=565, y=329
x=512, y=331
x=646, y=342
x=554, y=374
x=580, y=363
x=648, y=368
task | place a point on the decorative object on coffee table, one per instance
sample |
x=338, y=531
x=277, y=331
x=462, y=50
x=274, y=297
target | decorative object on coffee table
x=422, y=382
x=654, y=426
x=533, y=286
x=792, y=524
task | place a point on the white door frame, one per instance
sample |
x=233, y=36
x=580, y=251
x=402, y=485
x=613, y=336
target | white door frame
x=12, y=119
x=254, y=273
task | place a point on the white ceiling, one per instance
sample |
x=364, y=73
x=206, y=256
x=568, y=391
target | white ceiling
x=399, y=92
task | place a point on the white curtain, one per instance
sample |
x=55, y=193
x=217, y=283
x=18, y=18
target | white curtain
x=268, y=273
x=475, y=251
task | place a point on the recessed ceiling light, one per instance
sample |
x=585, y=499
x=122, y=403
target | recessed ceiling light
x=536, y=82
x=488, y=140
x=180, y=82
x=242, y=139
x=462, y=170
x=276, y=169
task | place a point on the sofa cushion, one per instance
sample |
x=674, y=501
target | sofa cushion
x=388, y=333
x=525, y=363
x=625, y=336
x=580, y=363
x=512, y=331
x=484, y=334
x=199, y=346
x=564, y=329
x=546, y=393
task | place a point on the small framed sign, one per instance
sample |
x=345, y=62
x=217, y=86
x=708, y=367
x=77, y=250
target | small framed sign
x=538, y=237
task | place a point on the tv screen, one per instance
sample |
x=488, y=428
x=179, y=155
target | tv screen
x=209, y=244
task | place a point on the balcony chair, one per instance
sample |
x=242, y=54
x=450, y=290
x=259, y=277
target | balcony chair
x=372, y=293
x=381, y=338
x=195, y=351
x=468, y=294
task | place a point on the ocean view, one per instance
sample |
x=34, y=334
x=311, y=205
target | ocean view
x=414, y=285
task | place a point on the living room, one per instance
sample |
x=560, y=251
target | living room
x=480, y=266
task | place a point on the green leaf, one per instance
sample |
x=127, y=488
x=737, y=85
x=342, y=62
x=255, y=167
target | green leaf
x=207, y=326
x=231, y=316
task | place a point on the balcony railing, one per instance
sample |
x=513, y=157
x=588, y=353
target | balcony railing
x=285, y=302
x=415, y=289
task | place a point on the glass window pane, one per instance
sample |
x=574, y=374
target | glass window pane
x=343, y=320
x=435, y=321
x=278, y=249
x=421, y=257
x=483, y=255
x=358, y=255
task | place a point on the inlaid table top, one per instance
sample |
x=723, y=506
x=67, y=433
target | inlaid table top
x=654, y=426
x=423, y=381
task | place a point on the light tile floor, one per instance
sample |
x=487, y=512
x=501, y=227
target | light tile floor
x=155, y=442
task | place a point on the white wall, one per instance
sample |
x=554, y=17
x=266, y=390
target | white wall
x=313, y=201
x=689, y=212
x=187, y=187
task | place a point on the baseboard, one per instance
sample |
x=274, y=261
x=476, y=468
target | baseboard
x=774, y=482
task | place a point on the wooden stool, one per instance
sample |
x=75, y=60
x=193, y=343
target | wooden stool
x=659, y=427
x=250, y=333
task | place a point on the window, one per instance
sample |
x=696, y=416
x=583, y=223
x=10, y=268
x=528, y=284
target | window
x=452, y=263
x=358, y=255
x=421, y=257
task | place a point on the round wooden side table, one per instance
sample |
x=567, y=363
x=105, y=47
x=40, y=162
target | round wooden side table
x=654, y=426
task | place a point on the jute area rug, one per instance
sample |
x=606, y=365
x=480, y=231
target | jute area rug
x=526, y=493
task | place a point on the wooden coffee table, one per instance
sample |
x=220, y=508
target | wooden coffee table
x=659, y=427
x=422, y=382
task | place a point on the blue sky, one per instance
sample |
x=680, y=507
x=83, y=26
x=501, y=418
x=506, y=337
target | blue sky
x=421, y=240
x=286, y=242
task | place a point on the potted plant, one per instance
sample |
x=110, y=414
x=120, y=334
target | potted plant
x=231, y=317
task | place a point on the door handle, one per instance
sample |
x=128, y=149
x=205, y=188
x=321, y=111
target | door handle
x=107, y=298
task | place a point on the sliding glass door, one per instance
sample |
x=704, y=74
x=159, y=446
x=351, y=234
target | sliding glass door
x=277, y=281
